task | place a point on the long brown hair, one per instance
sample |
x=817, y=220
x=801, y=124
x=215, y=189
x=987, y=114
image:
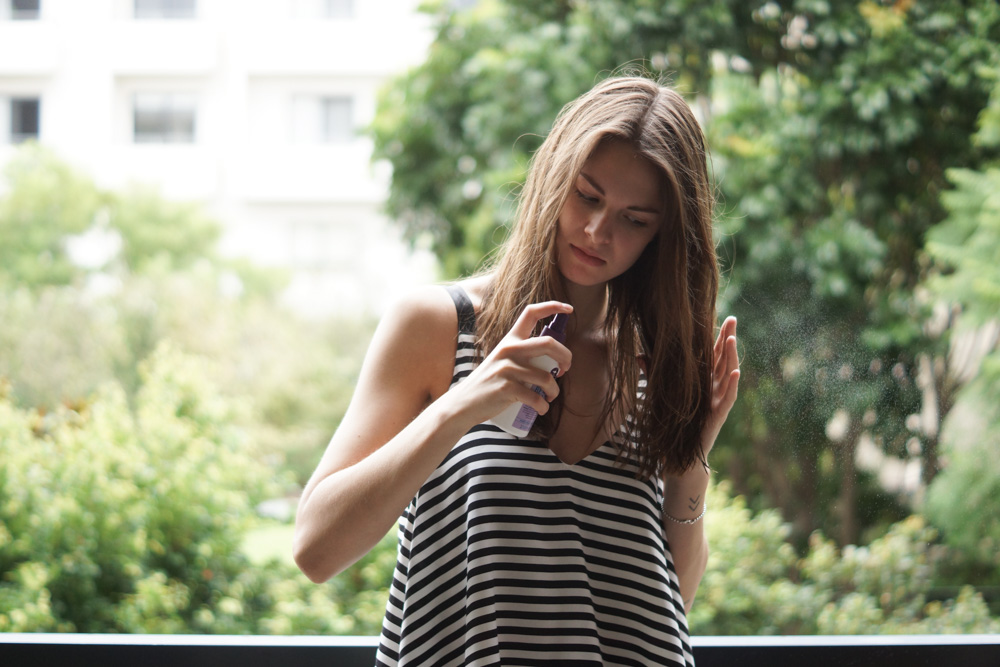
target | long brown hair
x=662, y=309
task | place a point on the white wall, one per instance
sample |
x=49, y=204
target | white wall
x=244, y=61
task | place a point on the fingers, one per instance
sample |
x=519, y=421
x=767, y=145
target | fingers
x=519, y=344
x=734, y=386
x=529, y=317
x=549, y=347
x=727, y=366
x=725, y=382
x=528, y=375
x=522, y=361
x=726, y=391
x=731, y=356
x=725, y=331
x=538, y=401
x=726, y=385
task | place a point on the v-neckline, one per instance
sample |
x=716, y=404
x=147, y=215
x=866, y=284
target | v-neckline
x=608, y=442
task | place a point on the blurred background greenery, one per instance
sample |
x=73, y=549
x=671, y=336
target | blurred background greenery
x=155, y=403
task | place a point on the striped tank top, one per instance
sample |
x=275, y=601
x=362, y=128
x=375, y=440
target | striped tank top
x=508, y=556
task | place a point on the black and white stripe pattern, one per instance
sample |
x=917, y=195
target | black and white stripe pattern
x=508, y=556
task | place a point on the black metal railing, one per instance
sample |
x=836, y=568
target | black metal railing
x=218, y=651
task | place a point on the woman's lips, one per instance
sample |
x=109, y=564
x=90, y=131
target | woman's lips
x=586, y=257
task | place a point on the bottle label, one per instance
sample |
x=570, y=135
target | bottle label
x=526, y=415
x=525, y=418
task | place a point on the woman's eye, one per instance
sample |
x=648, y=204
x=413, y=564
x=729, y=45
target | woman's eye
x=637, y=223
x=586, y=198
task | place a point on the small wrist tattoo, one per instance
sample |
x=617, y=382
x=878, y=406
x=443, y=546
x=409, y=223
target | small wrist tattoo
x=693, y=502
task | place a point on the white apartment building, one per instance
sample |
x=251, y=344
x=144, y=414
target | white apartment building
x=251, y=107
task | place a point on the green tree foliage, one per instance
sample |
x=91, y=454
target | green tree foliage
x=966, y=246
x=963, y=503
x=59, y=343
x=108, y=514
x=832, y=126
x=45, y=201
x=833, y=180
x=132, y=519
x=48, y=204
x=156, y=230
x=460, y=128
x=967, y=243
x=63, y=338
x=149, y=399
x=756, y=583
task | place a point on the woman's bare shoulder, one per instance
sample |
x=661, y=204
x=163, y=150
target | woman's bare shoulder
x=426, y=306
x=477, y=287
x=427, y=315
x=418, y=333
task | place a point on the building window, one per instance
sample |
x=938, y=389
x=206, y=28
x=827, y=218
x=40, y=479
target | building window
x=318, y=119
x=25, y=116
x=164, y=118
x=165, y=9
x=338, y=9
x=324, y=9
x=20, y=10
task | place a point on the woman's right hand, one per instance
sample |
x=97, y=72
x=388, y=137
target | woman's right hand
x=506, y=375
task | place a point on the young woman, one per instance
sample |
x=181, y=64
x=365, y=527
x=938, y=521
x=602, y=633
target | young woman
x=581, y=543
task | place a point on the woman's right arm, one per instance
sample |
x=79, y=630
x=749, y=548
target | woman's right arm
x=401, y=423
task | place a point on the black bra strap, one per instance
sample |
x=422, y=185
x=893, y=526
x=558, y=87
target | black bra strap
x=466, y=313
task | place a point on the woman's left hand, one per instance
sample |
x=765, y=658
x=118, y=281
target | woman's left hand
x=725, y=381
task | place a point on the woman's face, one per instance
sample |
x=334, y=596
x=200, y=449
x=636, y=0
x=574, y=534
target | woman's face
x=613, y=212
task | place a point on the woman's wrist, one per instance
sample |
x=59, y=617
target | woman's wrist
x=684, y=496
x=691, y=507
x=453, y=414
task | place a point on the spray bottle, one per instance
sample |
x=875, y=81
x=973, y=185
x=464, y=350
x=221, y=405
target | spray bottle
x=518, y=418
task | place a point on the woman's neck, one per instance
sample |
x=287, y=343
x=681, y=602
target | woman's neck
x=590, y=307
x=590, y=304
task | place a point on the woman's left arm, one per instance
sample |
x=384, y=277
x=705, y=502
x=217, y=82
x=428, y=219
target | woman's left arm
x=684, y=495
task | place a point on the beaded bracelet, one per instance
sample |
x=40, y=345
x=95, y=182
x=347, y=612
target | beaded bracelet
x=688, y=522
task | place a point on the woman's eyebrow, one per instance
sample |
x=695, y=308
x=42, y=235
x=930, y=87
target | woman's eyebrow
x=593, y=183
x=600, y=191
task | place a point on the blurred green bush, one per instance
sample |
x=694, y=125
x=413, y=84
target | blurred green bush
x=756, y=583
x=81, y=322
x=152, y=395
x=119, y=518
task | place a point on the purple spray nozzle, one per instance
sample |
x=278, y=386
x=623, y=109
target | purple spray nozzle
x=556, y=327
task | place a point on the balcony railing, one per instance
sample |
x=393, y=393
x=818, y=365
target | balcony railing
x=219, y=651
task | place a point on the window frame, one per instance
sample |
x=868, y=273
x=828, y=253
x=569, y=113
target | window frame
x=171, y=10
x=329, y=10
x=172, y=130
x=12, y=12
x=15, y=116
x=316, y=119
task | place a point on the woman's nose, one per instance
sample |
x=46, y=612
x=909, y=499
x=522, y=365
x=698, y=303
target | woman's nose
x=599, y=226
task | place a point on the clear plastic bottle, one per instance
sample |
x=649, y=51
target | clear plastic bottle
x=518, y=418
